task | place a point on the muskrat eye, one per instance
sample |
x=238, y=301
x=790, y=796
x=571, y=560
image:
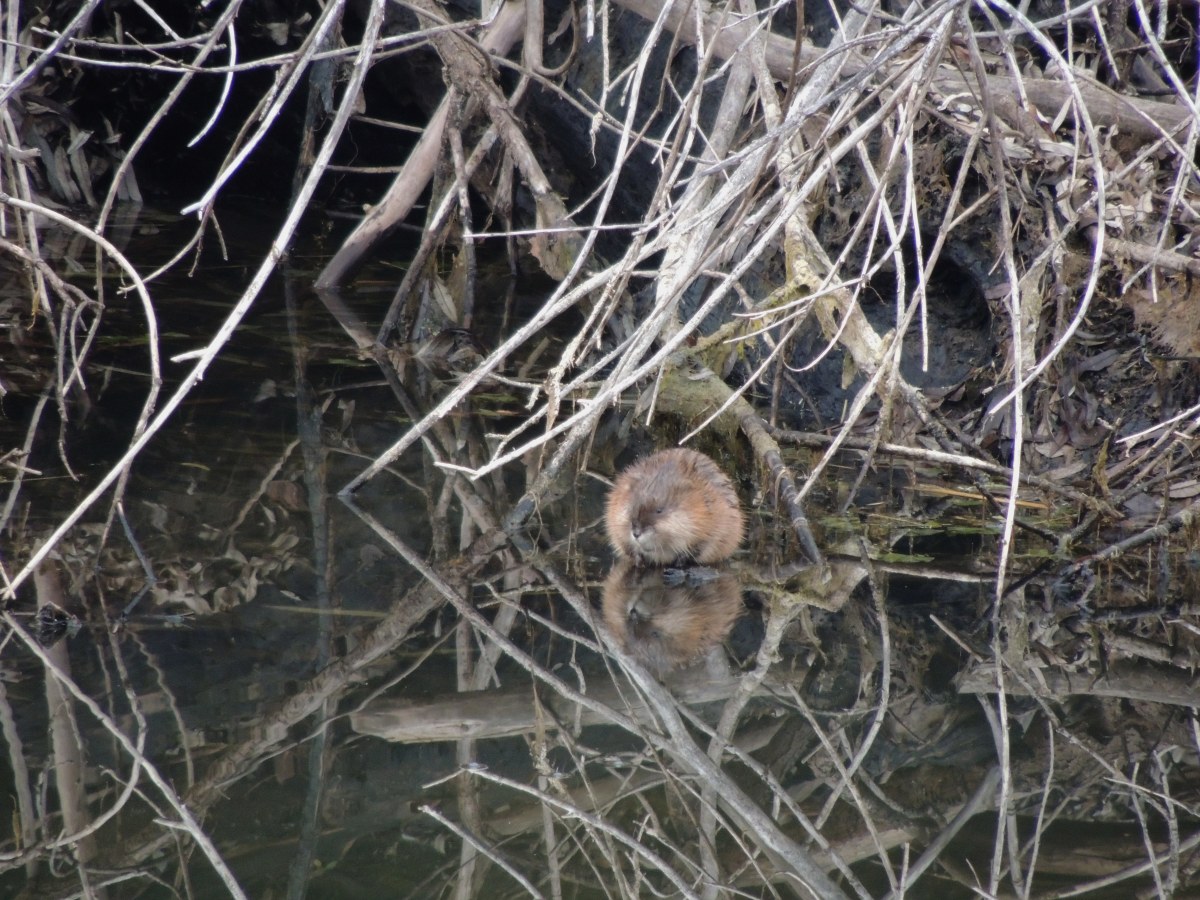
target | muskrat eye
x=659, y=510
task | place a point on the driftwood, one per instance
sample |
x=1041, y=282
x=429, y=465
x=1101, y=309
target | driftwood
x=1126, y=679
x=1130, y=115
x=514, y=710
x=407, y=187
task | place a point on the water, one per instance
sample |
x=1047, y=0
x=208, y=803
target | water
x=295, y=668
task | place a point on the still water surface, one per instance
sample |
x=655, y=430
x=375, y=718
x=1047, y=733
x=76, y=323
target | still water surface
x=342, y=692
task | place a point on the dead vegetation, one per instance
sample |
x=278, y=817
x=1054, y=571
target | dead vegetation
x=915, y=271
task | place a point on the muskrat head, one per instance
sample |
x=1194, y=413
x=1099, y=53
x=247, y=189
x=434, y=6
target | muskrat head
x=662, y=525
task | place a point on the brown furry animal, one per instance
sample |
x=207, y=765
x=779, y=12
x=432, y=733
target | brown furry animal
x=675, y=506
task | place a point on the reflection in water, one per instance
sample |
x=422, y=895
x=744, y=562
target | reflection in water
x=665, y=623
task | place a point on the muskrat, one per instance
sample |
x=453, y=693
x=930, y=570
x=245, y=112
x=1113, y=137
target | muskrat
x=675, y=506
x=666, y=625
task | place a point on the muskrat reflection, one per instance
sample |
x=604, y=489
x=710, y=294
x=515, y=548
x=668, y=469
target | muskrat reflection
x=669, y=618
